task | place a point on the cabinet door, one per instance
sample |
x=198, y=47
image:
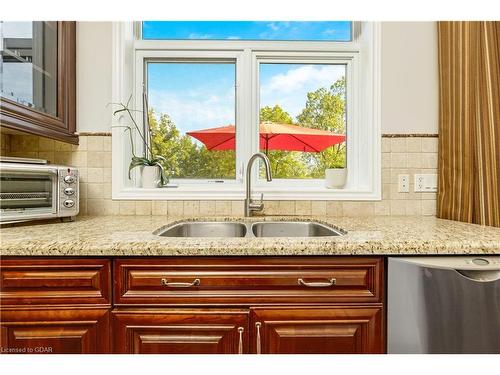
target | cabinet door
x=316, y=330
x=167, y=331
x=58, y=331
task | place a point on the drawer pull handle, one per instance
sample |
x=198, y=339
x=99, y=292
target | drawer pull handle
x=318, y=284
x=240, y=344
x=258, y=348
x=165, y=282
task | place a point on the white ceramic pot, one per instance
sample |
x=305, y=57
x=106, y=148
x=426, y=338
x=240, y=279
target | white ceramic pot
x=335, y=178
x=150, y=176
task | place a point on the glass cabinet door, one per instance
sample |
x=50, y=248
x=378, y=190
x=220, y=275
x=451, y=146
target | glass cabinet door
x=29, y=64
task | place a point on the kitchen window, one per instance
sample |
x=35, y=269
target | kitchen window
x=307, y=97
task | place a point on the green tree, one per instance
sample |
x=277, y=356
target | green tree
x=284, y=164
x=325, y=109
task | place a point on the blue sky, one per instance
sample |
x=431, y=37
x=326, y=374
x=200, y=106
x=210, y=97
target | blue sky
x=199, y=96
x=248, y=30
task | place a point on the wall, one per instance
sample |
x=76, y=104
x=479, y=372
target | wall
x=410, y=101
x=409, y=77
x=93, y=158
x=409, y=106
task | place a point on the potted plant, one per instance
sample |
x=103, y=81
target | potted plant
x=335, y=175
x=152, y=172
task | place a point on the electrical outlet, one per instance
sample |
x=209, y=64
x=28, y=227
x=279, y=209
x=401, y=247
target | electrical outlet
x=425, y=183
x=404, y=183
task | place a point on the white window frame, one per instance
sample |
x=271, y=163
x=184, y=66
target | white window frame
x=361, y=57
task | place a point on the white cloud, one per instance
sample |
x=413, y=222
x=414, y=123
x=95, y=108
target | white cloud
x=289, y=89
x=195, y=109
x=199, y=36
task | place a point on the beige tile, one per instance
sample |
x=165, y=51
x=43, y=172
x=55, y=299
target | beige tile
x=30, y=143
x=318, y=208
x=386, y=176
x=303, y=208
x=106, y=191
x=143, y=208
x=398, y=208
x=386, y=144
x=382, y=208
x=191, y=208
x=95, y=159
x=107, y=144
x=95, y=206
x=395, y=172
x=82, y=205
x=62, y=157
x=175, y=208
x=79, y=158
x=286, y=208
x=413, y=144
x=95, y=191
x=62, y=146
x=46, y=144
x=94, y=174
x=414, y=160
x=386, y=191
x=334, y=208
x=106, y=175
x=106, y=159
x=271, y=207
x=222, y=208
x=428, y=196
x=110, y=207
x=429, y=144
x=237, y=208
x=386, y=160
x=83, y=190
x=95, y=143
x=429, y=160
x=82, y=143
x=358, y=208
x=413, y=208
x=160, y=208
x=398, y=144
x=47, y=155
x=127, y=208
x=82, y=172
x=207, y=208
x=429, y=207
x=396, y=195
x=398, y=160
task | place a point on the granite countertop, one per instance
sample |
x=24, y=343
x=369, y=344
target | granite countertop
x=132, y=236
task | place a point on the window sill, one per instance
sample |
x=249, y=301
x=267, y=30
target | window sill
x=233, y=193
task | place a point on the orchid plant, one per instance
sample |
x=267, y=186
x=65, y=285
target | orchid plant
x=149, y=158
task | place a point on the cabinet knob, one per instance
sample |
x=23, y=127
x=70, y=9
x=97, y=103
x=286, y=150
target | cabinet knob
x=258, y=345
x=240, y=344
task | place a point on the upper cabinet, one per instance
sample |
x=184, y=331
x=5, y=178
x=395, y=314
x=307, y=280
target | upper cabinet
x=38, y=74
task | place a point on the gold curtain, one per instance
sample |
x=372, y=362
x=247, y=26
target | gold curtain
x=469, y=122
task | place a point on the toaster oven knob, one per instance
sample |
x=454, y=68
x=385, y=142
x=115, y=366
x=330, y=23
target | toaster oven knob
x=68, y=203
x=69, y=179
x=69, y=191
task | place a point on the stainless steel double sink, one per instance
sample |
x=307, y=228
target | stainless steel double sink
x=248, y=229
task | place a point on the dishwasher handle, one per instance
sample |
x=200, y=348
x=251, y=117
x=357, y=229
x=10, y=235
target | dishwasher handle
x=484, y=276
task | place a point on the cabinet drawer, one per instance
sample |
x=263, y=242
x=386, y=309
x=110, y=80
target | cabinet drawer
x=244, y=281
x=55, y=281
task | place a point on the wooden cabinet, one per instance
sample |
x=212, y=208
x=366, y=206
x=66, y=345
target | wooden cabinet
x=167, y=331
x=193, y=305
x=43, y=66
x=317, y=330
x=55, y=305
x=55, y=331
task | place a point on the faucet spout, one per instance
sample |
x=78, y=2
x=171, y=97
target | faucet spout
x=251, y=206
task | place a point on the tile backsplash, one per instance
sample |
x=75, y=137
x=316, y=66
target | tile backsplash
x=400, y=155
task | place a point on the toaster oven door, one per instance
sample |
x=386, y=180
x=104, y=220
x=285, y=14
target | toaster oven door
x=28, y=194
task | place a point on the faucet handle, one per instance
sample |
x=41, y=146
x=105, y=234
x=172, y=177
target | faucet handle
x=261, y=200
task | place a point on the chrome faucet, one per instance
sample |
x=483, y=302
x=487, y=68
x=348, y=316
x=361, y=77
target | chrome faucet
x=249, y=205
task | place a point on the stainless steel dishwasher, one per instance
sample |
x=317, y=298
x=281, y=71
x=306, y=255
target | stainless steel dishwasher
x=443, y=304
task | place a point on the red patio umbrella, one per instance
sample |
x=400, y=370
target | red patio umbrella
x=273, y=136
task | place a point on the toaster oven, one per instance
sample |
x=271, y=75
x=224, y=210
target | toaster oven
x=32, y=189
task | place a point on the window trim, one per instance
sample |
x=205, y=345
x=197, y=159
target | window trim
x=365, y=45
